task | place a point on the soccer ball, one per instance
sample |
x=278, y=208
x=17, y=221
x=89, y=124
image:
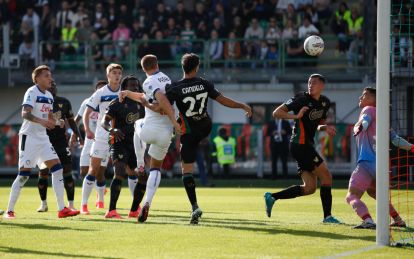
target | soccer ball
x=313, y=45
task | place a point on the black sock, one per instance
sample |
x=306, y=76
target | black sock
x=69, y=187
x=139, y=193
x=326, y=198
x=42, y=185
x=288, y=193
x=115, y=191
x=190, y=187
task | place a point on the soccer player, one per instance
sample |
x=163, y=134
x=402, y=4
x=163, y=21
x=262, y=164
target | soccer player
x=123, y=116
x=309, y=112
x=100, y=147
x=34, y=143
x=363, y=177
x=156, y=128
x=62, y=111
x=190, y=94
x=86, y=149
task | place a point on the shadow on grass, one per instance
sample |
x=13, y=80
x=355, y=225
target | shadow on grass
x=14, y=250
x=40, y=226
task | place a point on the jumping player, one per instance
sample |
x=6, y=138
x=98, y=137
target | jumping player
x=310, y=112
x=190, y=94
x=34, y=144
x=62, y=112
x=100, y=148
x=363, y=177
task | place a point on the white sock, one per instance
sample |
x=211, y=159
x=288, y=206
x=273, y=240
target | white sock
x=139, y=147
x=369, y=220
x=131, y=184
x=87, y=186
x=152, y=184
x=70, y=204
x=101, y=192
x=58, y=187
x=15, y=191
x=44, y=203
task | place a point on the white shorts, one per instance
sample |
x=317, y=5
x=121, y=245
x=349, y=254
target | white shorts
x=158, y=136
x=85, y=157
x=100, y=149
x=35, y=150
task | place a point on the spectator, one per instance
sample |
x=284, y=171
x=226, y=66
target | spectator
x=253, y=36
x=307, y=28
x=291, y=14
x=126, y=15
x=161, y=48
x=323, y=9
x=96, y=51
x=64, y=15
x=216, y=47
x=180, y=14
x=232, y=50
x=279, y=130
x=121, y=38
x=137, y=32
x=282, y=5
x=273, y=32
x=27, y=54
x=154, y=28
x=238, y=27
x=51, y=32
x=355, y=22
x=31, y=18
x=294, y=50
x=264, y=49
x=69, y=41
x=112, y=18
x=200, y=14
x=25, y=32
x=143, y=47
x=50, y=55
x=46, y=22
x=172, y=30
x=225, y=150
x=272, y=55
x=187, y=37
x=104, y=33
x=220, y=14
x=248, y=8
x=202, y=31
x=144, y=19
x=289, y=30
x=254, y=31
x=262, y=10
x=219, y=28
x=340, y=26
x=99, y=14
x=111, y=54
x=84, y=31
x=79, y=16
x=161, y=15
x=313, y=15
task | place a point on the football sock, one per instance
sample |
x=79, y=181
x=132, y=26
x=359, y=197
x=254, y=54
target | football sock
x=116, y=185
x=69, y=186
x=359, y=206
x=139, y=192
x=190, y=188
x=393, y=213
x=17, y=185
x=152, y=184
x=288, y=193
x=57, y=183
x=42, y=185
x=100, y=186
x=132, y=182
x=326, y=198
x=139, y=147
x=87, y=186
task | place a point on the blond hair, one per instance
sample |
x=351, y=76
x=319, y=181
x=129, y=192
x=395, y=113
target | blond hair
x=113, y=66
x=37, y=71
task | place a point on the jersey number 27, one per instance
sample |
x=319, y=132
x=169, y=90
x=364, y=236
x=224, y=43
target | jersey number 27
x=199, y=97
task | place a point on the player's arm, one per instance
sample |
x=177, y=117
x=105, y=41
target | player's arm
x=27, y=115
x=225, y=101
x=105, y=123
x=362, y=124
x=138, y=97
x=167, y=108
x=282, y=112
x=75, y=131
x=86, y=114
x=330, y=129
x=399, y=142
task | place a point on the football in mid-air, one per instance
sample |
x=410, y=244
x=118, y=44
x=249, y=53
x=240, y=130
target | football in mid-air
x=313, y=45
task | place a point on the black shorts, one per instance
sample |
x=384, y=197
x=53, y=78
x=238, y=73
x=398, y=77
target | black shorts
x=189, y=143
x=124, y=152
x=306, y=157
x=63, y=152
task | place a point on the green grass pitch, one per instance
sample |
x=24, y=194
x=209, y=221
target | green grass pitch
x=234, y=225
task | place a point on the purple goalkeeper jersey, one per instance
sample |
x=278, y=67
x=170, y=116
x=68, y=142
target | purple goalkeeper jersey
x=365, y=141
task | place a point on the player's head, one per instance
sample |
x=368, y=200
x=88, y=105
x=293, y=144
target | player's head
x=368, y=97
x=131, y=83
x=316, y=83
x=42, y=76
x=190, y=63
x=114, y=74
x=149, y=63
x=100, y=84
x=53, y=88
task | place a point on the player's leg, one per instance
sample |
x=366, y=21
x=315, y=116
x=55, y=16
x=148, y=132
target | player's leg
x=139, y=146
x=28, y=157
x=116, y=185
x=65, y=158
x=358, y=183
x=42, y=185
x=131, y=171
x=101, y=184
x=139, y=193
x=84, y=159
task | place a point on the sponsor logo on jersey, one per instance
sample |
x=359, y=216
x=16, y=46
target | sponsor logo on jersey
x=46, y=108
x=315, y=114
x=132, y=117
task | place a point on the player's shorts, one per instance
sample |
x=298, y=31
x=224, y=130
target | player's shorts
x=159, y=136
x=362, y=177
x=190, y=141
x=124, y=152
x=100, y=149
x=306, y=157
x=34, y=150
x=63, y=151
x=85, y=157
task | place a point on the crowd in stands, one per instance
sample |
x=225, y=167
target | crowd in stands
x=258, y=26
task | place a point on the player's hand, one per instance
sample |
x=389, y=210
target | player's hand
x=48, y=124
x=61, y=123
x=122, y=95
x=72, y=140
x=118, y=134
x=177, y=128
x=301, y=112
x=330, y=130
x=90, y=134
x=248, y=110
x=357, y=128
